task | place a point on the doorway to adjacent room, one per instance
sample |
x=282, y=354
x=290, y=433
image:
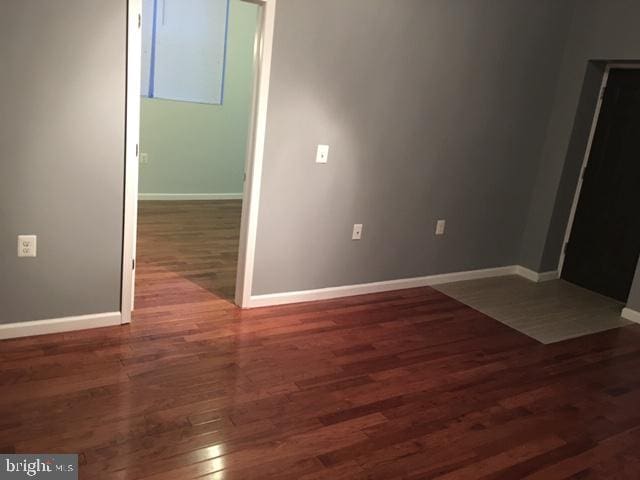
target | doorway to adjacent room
x=194, y=148
x=604, y=239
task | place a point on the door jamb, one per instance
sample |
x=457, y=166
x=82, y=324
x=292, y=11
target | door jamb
x=255, y=151
x=253, y=165
x=585, y=161
x=132, y=147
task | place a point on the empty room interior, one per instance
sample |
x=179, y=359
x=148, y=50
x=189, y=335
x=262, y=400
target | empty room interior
x=337, y=239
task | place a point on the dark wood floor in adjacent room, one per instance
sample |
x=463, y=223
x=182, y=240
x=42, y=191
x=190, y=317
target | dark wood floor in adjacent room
x=408, y=384
x=189, y=245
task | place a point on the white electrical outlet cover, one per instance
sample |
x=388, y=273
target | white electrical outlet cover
x=27, y=245
x=440, y=227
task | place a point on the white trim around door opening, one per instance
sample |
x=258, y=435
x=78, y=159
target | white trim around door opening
x=255, y=152
x=587, y=155
x=132, y=149
x=253, y=167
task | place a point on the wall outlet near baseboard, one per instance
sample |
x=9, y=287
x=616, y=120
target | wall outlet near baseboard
x=27, y=245
x=144, y=158
x=440, y=227
x=357, y=232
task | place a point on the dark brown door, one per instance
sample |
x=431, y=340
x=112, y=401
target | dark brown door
x=603, y=250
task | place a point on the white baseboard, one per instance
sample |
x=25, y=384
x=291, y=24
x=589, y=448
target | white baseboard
x=366, y=288
x=376, y=287
x=631, y=315
x=58, y=325
x=537, y=276
x=189, y=196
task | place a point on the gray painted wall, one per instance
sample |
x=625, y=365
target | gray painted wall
x=62, y=85
x=433, y=109
x=469, y=106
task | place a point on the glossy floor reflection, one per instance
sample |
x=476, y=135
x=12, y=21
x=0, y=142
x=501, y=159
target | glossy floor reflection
x=409, y=384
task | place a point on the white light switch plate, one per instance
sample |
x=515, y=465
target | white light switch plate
x=323, y=154
x=440, y=226
x=357, y=232
x=27, y=245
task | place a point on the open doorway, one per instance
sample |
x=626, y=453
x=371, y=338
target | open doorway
x=603, y=238
x=196, y=89
x=201, y=240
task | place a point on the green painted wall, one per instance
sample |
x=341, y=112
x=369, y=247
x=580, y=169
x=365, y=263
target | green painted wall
x=200, y=149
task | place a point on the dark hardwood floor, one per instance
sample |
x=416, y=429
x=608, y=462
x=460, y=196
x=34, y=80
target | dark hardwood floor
x=408, y=384
x=190, y=245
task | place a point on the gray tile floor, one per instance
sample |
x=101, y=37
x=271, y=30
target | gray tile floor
x=548, y=311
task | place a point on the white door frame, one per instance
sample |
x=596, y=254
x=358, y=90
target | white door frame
x=253, y=166
x=132, y=147
x=255, y=151
x=585, y=161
